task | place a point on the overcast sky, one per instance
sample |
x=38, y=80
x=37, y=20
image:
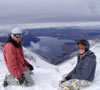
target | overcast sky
x=37, y=11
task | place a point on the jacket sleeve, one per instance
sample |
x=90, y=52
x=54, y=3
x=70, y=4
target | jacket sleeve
x=12, y=61
x=71, y=73
x=27, y=63
x=85, y=70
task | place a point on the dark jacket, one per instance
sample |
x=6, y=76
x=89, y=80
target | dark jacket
x=85, y=68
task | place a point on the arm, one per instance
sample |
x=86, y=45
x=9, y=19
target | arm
x=30, y=67
x=85, y=70
x=27, y=63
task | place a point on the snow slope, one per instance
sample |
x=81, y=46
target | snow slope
x=47, y=76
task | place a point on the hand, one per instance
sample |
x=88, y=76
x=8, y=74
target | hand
x=30, y=67
x=21, y=80
x=64, y=76
x=68, y=78
x=62, y=81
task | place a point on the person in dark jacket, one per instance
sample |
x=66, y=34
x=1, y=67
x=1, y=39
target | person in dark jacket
x=17, y=66
x=84, y=72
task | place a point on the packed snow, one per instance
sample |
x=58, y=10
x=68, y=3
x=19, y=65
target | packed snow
x=46, y=76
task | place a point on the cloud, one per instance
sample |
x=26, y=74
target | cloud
x=24, y=11
x=37, y=46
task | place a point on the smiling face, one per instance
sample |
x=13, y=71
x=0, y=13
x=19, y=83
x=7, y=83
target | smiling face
x=81, y=49
x=17, y=38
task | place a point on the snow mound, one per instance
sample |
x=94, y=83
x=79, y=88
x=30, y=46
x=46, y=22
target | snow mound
x=47, y=76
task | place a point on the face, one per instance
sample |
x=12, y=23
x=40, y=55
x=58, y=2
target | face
x=81, y=48
x=18, y=40
x=81, y=51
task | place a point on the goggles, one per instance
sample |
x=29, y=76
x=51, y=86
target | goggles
x=80, y=46
x=18, y=35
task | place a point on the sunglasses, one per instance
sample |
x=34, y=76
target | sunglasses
x=80, y=46
x=18, y=35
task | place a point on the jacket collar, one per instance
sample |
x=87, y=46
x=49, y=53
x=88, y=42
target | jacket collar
x=10, y=40
x=88, y=53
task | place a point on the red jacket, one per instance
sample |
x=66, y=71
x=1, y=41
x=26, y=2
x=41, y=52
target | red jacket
x=15, y=60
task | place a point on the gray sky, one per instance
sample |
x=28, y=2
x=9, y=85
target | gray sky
x=37, y=11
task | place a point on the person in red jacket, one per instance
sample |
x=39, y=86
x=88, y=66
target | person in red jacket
x=17, y=66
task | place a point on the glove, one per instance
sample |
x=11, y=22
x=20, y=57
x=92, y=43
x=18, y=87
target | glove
x=30, y=67
x=21, y=80
x=68, y=78
x=62, y=81
x=64, y=76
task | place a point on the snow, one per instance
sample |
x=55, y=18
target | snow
x=47, y=76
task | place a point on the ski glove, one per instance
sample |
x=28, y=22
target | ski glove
x=62, y=81
x=30, y=67
x=68, y=78
x=21, y=80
